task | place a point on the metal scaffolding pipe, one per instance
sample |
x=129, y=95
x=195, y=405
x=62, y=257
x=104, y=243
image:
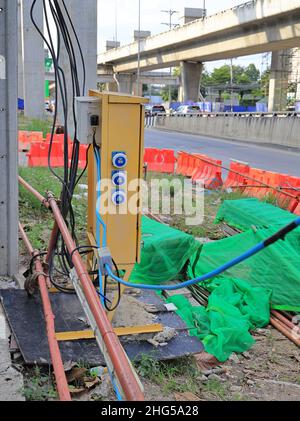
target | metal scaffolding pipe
x=59, y=372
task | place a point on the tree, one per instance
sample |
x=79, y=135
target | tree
x=253, y=73
x=165, y=93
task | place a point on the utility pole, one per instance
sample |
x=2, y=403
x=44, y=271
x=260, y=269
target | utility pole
x=171, y=25
x=8, y=137
x=231, y=84
x=139, y=53
x=116, y=21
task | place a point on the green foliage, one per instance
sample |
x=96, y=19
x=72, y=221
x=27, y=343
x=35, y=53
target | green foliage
x=240, y=75
x=35, y=125
x=165, y=93
x=39, y=387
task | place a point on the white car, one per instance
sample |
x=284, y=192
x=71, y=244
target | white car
x=188, y=109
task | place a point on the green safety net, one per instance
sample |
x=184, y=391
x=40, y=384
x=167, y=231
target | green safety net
x=165, y=252
x=234, y=308
x=246, y=213
x=276, y=268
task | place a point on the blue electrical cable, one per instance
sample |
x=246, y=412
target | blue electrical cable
x=244, y=256
x=99, y=221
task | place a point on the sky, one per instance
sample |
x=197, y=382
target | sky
x=126, y=17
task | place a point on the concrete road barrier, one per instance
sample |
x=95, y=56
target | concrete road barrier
x=267, y=129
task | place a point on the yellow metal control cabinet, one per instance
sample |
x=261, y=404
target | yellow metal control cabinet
x=121, y=141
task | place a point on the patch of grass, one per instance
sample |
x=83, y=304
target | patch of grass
x=35, y=125
x=38, y=220
x=39, y=386
x=173, y=376
x=215, y=388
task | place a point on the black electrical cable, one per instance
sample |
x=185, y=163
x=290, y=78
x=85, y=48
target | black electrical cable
x=110, y=309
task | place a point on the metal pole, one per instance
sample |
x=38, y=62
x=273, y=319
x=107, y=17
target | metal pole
x=8, y=137
x=231, y=83
x=116, y=21
x=139, y=53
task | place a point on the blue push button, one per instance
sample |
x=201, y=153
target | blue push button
x=118, y=197
x=119, y=178
x=119, y=159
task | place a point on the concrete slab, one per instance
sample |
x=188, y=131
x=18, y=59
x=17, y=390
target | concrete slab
x=11, y=381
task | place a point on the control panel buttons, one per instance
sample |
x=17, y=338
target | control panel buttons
x=119, y=159
x=118, y=197
x=119, y=178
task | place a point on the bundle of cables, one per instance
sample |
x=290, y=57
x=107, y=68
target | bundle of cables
x=67, y=43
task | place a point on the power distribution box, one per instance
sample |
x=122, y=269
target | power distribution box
x=88, y=115
x=121, y=134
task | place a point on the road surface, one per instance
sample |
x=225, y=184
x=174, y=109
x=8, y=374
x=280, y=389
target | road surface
x=271, y=159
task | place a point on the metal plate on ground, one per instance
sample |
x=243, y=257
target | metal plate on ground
x=26, y=319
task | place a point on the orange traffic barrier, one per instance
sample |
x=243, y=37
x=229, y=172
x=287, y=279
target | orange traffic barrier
x=253, y=189
x=35, y=137
x=234, y=179
x=39, y=151
x=297, y=210
x=180, y=158
x=24, y=144
x=25, y=139
x=160, y=160
x=289, y=185
x=208, y=171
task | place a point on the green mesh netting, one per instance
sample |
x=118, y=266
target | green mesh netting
x=245, y=213
x=165, y=252
x=234, y=308
x=276, y=268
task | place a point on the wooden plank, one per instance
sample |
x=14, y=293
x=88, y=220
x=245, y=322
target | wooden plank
x=120, y=331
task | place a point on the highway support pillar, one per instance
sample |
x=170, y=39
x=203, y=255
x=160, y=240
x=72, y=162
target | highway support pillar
x=33, y=60
x=191, y=73
x=125, y=82
x=8, y=138
x=280, y=70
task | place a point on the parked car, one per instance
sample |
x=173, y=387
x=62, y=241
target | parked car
x=154, y=110
x=188, y=109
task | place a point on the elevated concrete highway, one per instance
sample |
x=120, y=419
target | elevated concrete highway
x=253, y=27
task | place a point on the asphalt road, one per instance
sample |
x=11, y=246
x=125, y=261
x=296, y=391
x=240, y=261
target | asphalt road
x=278, y=160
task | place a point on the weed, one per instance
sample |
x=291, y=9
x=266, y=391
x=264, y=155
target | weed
x=39, y=386
x=35, y=125
x=216, y=388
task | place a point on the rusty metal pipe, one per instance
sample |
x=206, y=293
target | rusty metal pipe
x=284, y=330
x=284, y=320
x=37, y=195
x=59, y=372
x=123, y=369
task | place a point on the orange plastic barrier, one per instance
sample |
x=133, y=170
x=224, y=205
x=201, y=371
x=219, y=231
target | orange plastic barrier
x=286, y=183
x=24, y=144
x=236, y=180
x=26, y=138
x=297, y=210
x=39, y=151
x=209, y=173
x=35, y=137
x=160, y=160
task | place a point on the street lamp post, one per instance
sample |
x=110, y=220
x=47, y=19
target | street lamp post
x=139, y=52
x=170, y=25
